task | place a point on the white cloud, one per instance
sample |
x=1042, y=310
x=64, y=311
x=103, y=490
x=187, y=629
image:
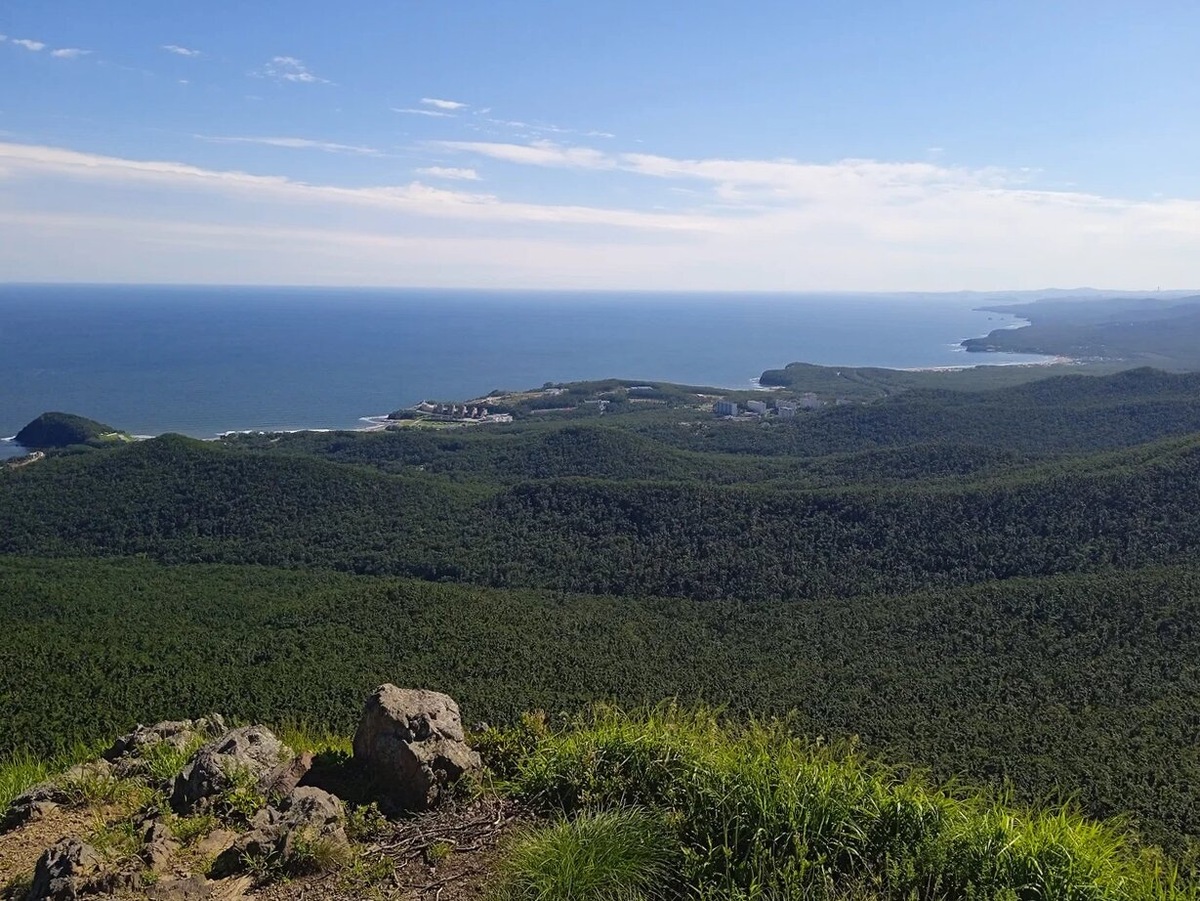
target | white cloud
x=294, y=143
x=409, y=111
x=69, y=53
x=181, y=51
x=542, y=128
x=736, y=225
x=449, y=172
x=539, y=153
x=414, y=199
x=3, y=38
x=288, y=68
x=443, y=104
x=28, y=44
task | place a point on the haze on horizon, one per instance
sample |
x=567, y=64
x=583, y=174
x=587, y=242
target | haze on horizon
x=864, y=146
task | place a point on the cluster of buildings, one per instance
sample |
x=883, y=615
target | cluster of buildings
x=460, y=413
x=784, y=409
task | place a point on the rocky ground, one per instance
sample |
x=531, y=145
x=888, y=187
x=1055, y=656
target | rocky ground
x=194, y=810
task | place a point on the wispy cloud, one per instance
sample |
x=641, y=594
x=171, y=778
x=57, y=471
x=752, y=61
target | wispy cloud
x=414, y=198
x=69, y=53
x=443, y=104
x=741, y=224
x=531, y=129
x=29, y=44
x=410, y=111
x=539, y=153
x=288, y=68
x=450, y=173
x=295, y=144
x=181, y=51
x=753, y=182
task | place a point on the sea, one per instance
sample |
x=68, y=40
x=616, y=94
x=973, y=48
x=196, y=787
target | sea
x=202, y=361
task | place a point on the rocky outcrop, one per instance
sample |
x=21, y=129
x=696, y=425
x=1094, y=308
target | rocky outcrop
x=286, y=833
x=252, y=753
x=409, y=750
x=411, y=742
x=128, y=752
x=65, y=871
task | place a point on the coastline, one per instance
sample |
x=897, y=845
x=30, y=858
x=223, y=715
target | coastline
x=1049, y=361
x=379, y=422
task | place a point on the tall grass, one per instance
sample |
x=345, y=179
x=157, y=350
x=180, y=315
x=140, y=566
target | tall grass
x=23, y=770
x=760, y=813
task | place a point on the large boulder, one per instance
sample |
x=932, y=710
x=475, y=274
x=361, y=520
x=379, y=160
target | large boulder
x=410, y=742
x=249, y=753
x=65, y=871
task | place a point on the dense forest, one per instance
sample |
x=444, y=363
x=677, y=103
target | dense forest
x=1002, y=585
x=1069, y=686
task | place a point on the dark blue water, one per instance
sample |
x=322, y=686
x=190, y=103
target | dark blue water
x=206, y=360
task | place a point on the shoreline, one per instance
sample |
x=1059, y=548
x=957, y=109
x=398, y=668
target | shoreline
x=1049, y=361
x=380, y=422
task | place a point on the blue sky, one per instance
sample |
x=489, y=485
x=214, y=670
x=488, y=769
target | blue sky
x=735, y=146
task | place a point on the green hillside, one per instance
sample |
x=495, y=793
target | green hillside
x=1002, y=586
x=54, y=430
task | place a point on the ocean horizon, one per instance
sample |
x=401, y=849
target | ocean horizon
x=204, y=360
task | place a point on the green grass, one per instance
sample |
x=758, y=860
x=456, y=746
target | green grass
x=613, y=855
x=759, y=813
x=23, y=770
x=164, y=760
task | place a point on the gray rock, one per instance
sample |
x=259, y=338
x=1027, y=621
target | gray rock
x=65, y=871
x=128, y=751
x=33, y=804
x=174, y=732
x=190, y=888
x=308, y=814
x=159, y=846
x=411, y=741
x=252, y=750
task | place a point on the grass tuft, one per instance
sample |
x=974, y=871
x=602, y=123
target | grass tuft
x=612, y=855
x=23, y=770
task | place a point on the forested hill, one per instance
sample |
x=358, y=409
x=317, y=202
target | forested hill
x=1163, y=333
x=1000, y=584
x=61, y=430
x=651, y=518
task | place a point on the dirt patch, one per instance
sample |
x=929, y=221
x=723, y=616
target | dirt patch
x=20, y=848
x=448, y=854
